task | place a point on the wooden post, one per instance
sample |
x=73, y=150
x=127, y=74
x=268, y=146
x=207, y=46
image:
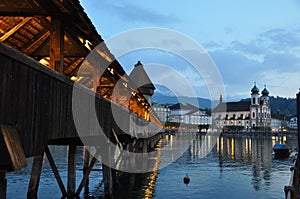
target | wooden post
x=85, y=168
x=145, y=147
x=107, y=179
x=55, y=171
x=3, y=185
x=71, y=171
x=56, y=45
x=298, y=156
x=86, y=175
x=35, y=176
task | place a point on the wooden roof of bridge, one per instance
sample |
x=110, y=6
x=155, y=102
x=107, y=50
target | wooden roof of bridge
x=26, y=26
x=59, y=30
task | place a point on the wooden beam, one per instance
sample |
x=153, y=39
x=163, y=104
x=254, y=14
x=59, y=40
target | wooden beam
x=55, y=171
x=15, y=154
x=28, y=48
x=35, y=176
x=14, y=29
x=3, y=185
x=86, y=175
x=56, y=45
x=71, y=171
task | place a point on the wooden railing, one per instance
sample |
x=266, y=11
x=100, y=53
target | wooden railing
x=38, y=101
x=291, y=190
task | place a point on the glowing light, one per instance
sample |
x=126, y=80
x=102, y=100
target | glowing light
x=45, y=61
x=103, y=54
x=74, y=78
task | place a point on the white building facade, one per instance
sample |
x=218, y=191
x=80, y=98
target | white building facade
x=245, y=114
x=162, y=111
x=188, y=114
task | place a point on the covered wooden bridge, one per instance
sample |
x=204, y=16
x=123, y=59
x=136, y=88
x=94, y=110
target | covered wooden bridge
x=43, y=45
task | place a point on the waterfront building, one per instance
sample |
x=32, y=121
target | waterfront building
x=162, y=111
x=188, y=114
x=293, y=123
x=278, y=122
x=244, y=115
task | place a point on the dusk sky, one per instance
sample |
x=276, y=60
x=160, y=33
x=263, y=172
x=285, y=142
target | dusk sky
x=249, y=41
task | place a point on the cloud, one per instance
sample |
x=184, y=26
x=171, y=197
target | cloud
x=281, y=83
x=129, y=11
x=282, y=39
x=273, y=57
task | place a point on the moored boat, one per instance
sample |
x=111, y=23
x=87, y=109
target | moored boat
x=281, y=151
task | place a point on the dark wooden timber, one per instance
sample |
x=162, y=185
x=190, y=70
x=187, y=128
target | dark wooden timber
x=56, y=173
x=3, y=185
x=35, y=176
x=12, y=151
x=71, y=171
x=57, y=45
x=297, y=185
x=86, y=175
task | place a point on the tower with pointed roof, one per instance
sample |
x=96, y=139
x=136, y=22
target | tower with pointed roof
x=254, y=107
x=139, y=76
x=265, y=95
x=254, y=95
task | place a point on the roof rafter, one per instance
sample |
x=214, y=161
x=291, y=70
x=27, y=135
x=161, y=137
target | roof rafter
x=14, y=29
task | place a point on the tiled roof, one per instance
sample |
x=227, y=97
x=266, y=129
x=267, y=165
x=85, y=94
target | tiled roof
x=183, y=106
x=140, y=77
x=233, y=106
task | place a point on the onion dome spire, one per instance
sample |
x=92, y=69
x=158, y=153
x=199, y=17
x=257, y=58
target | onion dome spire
x=254, y=90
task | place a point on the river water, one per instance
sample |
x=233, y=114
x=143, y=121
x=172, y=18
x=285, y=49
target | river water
x=236, y=167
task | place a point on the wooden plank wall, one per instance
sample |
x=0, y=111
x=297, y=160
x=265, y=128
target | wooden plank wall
x=38, y=101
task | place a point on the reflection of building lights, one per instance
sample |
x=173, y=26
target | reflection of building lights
x=153, y=176
x=232, y=148
x=247, y=146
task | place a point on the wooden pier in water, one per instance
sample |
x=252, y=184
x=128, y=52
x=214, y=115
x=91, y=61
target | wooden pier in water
x=42, y=46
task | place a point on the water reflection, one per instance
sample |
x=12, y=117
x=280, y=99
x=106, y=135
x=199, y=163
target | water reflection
x=248, y=152
x=242, y=165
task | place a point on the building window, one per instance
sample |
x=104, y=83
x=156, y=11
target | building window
x=253, y=114
x=253, y=100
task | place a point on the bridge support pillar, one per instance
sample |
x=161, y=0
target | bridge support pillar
x=3, y=185
x=86, y=162
x=71, y=171
x=108, y=181
x=37, y=166
x=145, y=146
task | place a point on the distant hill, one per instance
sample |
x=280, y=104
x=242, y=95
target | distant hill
x=168, y=99
x=286, y=106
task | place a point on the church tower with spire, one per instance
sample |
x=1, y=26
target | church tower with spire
x=254, y=107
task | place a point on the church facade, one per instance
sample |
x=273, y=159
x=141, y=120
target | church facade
x=244, y=115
